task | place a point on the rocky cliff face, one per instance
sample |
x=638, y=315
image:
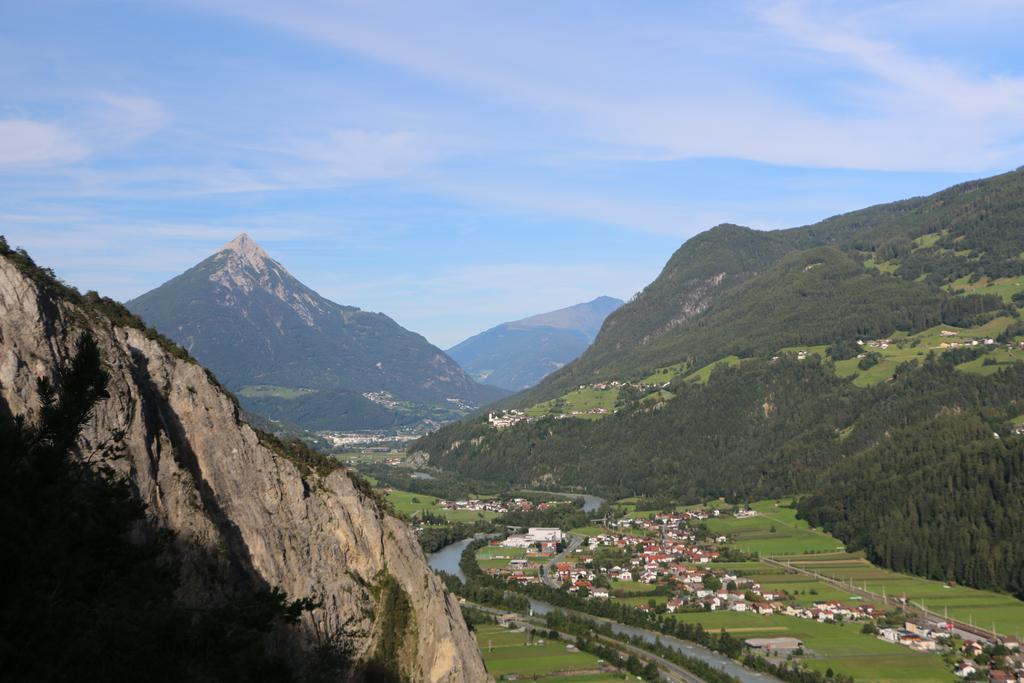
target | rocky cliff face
x=245, y=516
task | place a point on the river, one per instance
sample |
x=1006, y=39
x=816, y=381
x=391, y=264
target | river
x=590, y=503
x=447, y=560
x=720, y=662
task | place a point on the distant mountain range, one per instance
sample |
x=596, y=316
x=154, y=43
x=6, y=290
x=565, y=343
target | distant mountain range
x=517, y=355
x=294, y=356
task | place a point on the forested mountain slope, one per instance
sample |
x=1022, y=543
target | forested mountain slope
x=291, y=354
x=971, y=228
x=234, y=515
x=806, y=361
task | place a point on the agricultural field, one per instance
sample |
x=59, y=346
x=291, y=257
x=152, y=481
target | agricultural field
x=657, y=397
x=662, y=375
x=507, y=651
x=701, y=376
x=632, y=586
x=579, y=402
x=588, y=531
x=841, y=647
x=985, y=608
x=496, y=557
x=1004, y=287
x=356, y=458
x=774, y=531
x=916, y=347
x=992, y=362
x=638, y=600
x=269, y=391
x=412, y=504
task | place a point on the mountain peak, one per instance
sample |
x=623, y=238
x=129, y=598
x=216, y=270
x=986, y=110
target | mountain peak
x=247, y=249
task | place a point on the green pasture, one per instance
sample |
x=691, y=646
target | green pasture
x=270, y=391
x=412, y=504
x=984, y=365
x=589, y=531
x=1004, y=287
x=917, y=347
x=579, y=400
x=662, y=375
x=701, y=376
x=638, y=600
x=841, y=647
x=506, y=651
x=496, y=557
x=632, y=586
x=791, y=536
x=984, y=608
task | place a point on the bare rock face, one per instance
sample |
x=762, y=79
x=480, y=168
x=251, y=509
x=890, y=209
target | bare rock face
x=249, y=514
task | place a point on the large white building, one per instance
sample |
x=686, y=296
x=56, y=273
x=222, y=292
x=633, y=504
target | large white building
x=533, y=536
x=544, y=535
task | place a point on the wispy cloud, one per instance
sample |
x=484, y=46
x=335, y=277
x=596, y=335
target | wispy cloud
x=910, y=111
x=33, y=144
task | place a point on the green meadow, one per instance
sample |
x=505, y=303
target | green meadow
x=917, y=347
x=817, y=551
x=412, y=504
x=506, y=651
x=579, y=401
x=842, y=648
x=269, y=391
x=774, y=531
x=701, y=376
x=984, y=608
x=496, y=557
x=1004, y=287
x=662, y=375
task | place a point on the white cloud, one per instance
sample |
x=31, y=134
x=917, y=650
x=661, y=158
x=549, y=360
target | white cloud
x=124, y=119
x=25, y=143
x=100, y=123
x=666, y=89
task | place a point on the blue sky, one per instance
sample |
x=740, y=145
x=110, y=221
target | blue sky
x=455, y=165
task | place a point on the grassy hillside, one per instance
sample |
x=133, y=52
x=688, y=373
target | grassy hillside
x=950, y=240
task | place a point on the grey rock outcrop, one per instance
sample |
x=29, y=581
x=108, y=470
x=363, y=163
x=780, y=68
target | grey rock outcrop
x=250, y=515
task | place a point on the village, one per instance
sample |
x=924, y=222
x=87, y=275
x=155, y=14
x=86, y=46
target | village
x=663, y=550
x=498, y=505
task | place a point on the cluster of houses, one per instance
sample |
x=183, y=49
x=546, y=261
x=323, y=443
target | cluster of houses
x=506, y=418
x=981, y=660
x=602, y=386
x=967, y=343
x=494, y=505
x=915, y=635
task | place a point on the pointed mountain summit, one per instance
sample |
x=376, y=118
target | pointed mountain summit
x=293, y=355
x=516, y=355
